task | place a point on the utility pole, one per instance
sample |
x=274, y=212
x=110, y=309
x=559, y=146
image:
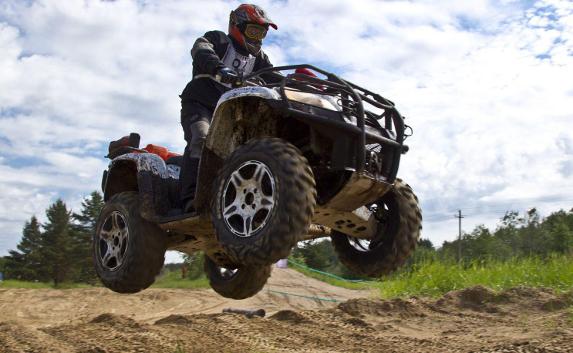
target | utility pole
x=459, y=217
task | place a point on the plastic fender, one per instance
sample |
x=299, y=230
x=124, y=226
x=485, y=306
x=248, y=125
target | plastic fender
x=149, y=162
x=254, y=91
x=147, y=174
x=237, y=118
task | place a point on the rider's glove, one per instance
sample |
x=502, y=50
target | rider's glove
x=226, y=75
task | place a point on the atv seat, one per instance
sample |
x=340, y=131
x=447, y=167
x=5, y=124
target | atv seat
x=124, y=145
x=175, y=160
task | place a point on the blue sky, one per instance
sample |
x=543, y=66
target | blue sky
x=486, y=85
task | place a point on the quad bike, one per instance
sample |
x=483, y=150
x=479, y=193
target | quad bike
x=283, y=162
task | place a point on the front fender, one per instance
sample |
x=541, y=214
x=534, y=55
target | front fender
x=253, y=91
x=148, y=162
x=241, y=114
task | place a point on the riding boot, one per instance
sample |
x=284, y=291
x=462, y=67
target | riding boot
x=188, y=179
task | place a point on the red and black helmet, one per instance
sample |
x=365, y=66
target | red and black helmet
x=248, y=25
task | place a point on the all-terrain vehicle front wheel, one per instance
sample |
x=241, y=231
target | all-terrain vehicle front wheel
x=399, y=221
x=236, y=283
x=128, y=250
x=263, y=202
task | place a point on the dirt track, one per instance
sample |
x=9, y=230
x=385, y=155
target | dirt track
x=177, y=321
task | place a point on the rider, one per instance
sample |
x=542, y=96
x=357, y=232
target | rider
x=218, y=60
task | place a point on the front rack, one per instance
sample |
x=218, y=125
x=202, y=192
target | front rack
x=351, y=98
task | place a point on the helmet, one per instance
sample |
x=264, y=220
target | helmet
x=248, y=25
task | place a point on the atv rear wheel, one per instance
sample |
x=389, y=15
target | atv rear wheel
x=128, y=250
x=399, y=225
x=236, y=283
x=263, y=202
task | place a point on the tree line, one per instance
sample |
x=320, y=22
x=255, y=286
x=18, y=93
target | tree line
x=59, y=250
x=516, y=236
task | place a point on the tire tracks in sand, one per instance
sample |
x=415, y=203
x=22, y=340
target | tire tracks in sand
x=165, y=320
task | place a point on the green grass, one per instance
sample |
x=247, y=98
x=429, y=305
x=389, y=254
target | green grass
x=172, y=279
x=334, y=281
x=436, y=278
x=428, y=279
x=169, y=279
x=12, y=283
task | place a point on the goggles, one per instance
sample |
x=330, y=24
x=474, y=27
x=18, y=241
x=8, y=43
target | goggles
x=255, y=32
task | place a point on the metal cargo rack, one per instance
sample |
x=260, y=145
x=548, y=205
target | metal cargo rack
x=351, y=99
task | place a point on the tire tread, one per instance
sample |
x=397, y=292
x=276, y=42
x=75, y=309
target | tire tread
x=389, y=256
x=145, y=253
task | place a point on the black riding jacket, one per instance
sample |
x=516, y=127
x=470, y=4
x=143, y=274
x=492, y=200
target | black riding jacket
x=210, y=53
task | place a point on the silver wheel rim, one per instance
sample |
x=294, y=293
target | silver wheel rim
x=112, y=241
x=362, y=245
x=248, y=198
x=382, y=214
x=227, y=273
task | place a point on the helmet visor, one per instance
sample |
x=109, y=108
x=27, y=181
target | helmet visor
x=255, y=32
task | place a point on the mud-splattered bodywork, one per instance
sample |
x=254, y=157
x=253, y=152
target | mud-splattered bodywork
x=252, y=112
x=243, y=114
x=147, y=173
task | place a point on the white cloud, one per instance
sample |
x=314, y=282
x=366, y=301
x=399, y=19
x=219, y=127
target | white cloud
x=484, y=84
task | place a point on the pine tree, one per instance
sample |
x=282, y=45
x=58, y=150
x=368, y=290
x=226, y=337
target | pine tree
x=13, y=265
x=26, y=263
x=57, y=243
x=3, y=265
x=30, y=248
x=83, y=232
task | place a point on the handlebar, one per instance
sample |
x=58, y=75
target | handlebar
x=240, y=82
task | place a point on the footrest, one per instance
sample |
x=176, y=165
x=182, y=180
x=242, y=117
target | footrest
x=188, y=223
x=176, y=215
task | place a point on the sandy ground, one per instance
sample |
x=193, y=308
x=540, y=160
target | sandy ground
x=336, y=320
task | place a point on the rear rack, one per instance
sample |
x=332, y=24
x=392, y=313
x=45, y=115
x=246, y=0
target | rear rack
x=351, y=98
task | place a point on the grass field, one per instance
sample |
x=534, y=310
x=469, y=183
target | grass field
x=349, y=284
x=172, y=279
x=12, y=283
x=428, y=279
x=329, y=278
x=436, y=278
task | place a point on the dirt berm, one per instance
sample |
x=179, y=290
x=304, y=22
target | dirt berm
x=312, y=317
